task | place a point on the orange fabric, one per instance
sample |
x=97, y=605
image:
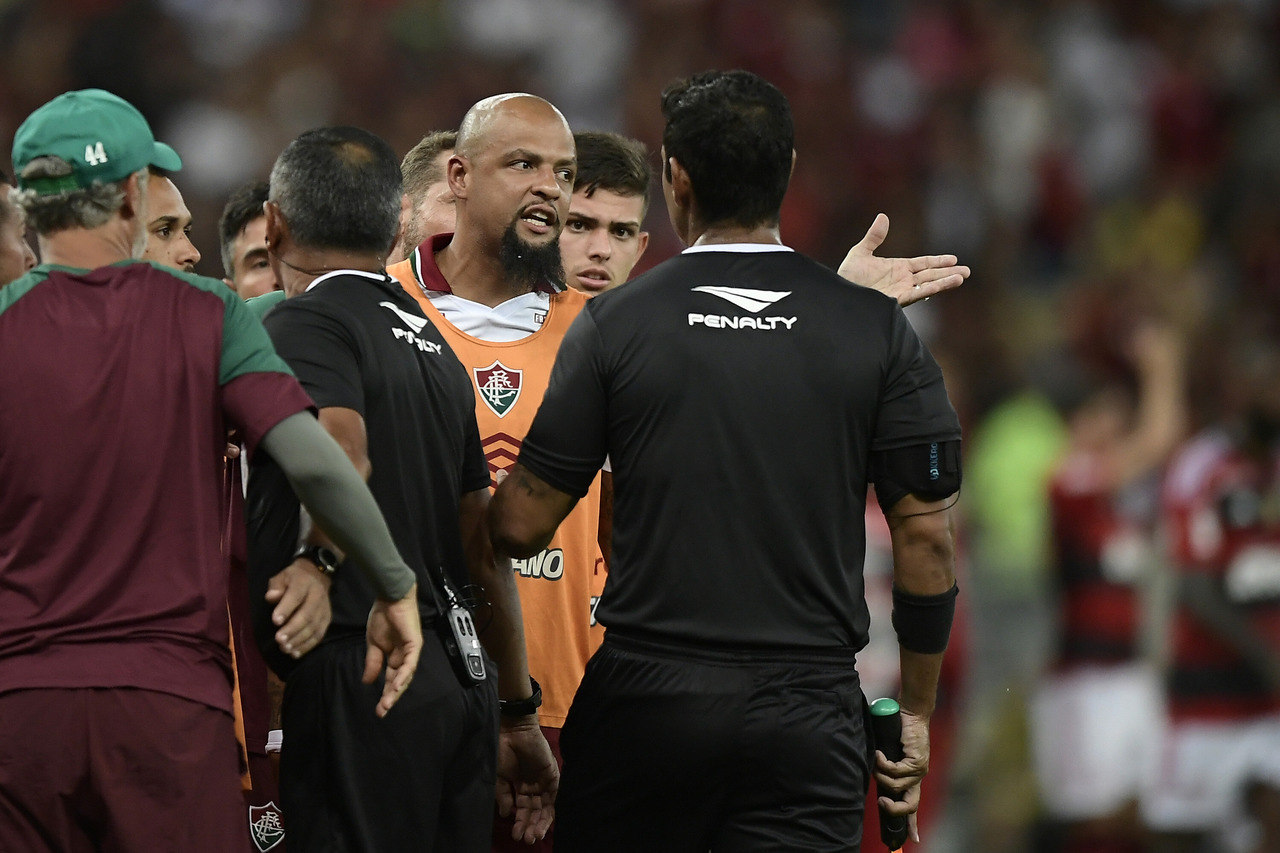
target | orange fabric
x=560, y=586
x=237, y=712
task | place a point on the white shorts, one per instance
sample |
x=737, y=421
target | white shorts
x=1204, y=768
x=1096, y=734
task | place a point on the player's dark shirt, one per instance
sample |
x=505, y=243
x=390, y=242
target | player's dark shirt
x=357, y=341
x=739, y=396
x=119, y=385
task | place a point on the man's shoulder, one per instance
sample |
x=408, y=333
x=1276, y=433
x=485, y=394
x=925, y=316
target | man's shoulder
x=260, y=305
x=569, y=301
x=214, y=286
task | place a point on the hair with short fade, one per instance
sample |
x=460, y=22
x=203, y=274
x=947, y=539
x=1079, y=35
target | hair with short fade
x=419, y=170
x=339, y=188
x=244, y=206
x=733, y=133
x=87, y=207
x=610, y=161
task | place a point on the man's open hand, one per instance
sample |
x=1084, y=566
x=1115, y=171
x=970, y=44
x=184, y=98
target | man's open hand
x=394, y=638
x=907, y=280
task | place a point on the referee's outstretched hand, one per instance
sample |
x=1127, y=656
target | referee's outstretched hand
x=393, y=636
x=907, y=280
x=528, y=778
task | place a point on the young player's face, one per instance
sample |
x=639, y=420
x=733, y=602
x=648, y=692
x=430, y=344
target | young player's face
x=168, y=227
x=16, y=256
x=602, y=240
x=523, y=175
x=252, y=268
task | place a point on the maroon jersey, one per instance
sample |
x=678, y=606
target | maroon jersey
x=1099, y=543
x=1222, y=513
x=119, y=386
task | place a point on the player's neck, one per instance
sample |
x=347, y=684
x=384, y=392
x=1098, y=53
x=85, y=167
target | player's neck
x=706, y=235
x=88, y=248
x=475, y=273
x=304, y=265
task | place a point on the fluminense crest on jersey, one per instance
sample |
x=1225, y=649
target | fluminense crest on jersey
x=266, y=826
x=499, y=387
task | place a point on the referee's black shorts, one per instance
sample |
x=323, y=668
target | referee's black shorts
x=419, y=779
x=683, y=749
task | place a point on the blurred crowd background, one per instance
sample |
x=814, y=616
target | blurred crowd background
x=1106, y=167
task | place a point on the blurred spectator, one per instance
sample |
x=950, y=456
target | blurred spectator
x=1097, y=717
x=1221, y=506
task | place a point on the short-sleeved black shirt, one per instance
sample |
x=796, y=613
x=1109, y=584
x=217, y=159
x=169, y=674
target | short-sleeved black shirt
x=355, y=340
x=739, y=395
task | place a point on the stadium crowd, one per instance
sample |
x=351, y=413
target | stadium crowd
x=1107, y=168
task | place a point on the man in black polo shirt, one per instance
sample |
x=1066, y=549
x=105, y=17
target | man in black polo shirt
x=746, y=396
x=397, y=399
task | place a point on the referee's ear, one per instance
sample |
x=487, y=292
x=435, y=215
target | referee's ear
x=277, y=227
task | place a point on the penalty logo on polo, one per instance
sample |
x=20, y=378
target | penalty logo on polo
x=266, y=826
x=499, y=387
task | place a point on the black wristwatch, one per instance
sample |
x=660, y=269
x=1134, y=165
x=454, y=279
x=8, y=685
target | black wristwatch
x=522, y=707
x=326, y=561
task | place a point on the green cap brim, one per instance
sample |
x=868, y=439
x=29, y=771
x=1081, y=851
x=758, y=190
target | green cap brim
x=166, y=158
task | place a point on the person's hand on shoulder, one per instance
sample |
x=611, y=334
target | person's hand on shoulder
x=528, y=778
x=394, y=638
x=907, y=280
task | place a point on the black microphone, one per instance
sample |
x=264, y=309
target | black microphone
x=886, y=736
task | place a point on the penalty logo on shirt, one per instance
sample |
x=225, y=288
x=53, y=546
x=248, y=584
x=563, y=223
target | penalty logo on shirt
x=499, y=387
x=266, y=826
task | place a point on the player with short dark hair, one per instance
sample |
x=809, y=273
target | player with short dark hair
x=243, y=242
x=169, y=228
x=394, y=395
x=746, y=396
x=604, y=234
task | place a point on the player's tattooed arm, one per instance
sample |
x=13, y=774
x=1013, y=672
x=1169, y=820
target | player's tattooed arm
x=525, y=512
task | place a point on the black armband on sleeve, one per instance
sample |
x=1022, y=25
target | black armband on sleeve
x=923, y=622
x=929, y=471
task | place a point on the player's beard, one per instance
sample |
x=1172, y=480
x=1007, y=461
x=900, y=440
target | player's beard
x=527, y=265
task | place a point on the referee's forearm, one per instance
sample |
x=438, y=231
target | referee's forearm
x=920, y=673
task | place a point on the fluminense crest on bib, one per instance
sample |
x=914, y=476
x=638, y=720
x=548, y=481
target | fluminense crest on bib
x=499, y=387
x=266, y=826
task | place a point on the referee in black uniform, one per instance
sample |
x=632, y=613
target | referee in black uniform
x=746, y=397
x=400, y=403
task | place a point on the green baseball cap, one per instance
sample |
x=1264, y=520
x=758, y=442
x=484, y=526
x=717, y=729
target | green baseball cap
x=101, y=135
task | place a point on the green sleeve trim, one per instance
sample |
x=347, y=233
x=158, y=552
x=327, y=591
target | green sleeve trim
x=246, y=348
x=20, y=287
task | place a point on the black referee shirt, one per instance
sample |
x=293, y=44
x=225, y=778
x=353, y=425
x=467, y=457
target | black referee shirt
x=356, y=340
x=738, y=395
